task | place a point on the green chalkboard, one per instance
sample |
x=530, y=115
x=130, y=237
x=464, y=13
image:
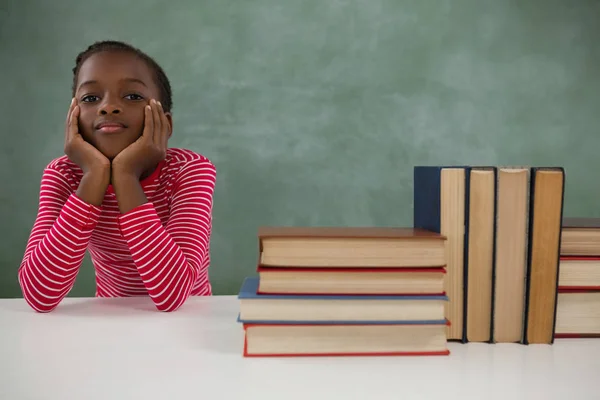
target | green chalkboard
x=314, y=111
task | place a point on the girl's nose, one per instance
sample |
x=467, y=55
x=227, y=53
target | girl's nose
x=109, y=109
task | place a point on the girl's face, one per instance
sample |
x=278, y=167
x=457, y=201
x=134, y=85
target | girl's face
x=112, y=90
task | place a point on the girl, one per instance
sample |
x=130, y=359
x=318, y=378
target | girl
x=143, y=210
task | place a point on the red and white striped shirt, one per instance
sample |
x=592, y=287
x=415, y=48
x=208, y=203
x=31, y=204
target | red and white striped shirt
x=159, y=249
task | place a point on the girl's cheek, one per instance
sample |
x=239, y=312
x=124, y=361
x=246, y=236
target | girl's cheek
x=140, y=123
x=86, y=120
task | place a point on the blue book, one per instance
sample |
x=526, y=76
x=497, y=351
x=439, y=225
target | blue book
x=258, y=308
x=440, y=198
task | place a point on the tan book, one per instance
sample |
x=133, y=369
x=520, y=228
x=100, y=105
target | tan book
x=279, y=340
x=352, y=281
x=350, y=247
x=510, y=266
x=577, y=314
x=579, y=273
x=544, y=252
x=480, y=253
x=453, y=227
x=580, y=236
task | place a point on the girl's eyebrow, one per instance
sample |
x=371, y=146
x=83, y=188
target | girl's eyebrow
x=91, y=82
x=134, y=80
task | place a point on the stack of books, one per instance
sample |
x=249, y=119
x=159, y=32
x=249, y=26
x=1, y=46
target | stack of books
x=330, y=291
x=503, y=229
x=578, y=311
x=481, y=263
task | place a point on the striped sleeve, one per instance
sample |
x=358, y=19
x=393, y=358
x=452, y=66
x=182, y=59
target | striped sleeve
x=57, y=243
x=171, y=258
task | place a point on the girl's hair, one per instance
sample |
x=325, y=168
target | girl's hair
x=160, y=77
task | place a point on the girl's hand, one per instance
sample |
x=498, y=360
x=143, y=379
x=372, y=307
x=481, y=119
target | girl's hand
x=149, y=149
x=95, y=166
x=86, y=156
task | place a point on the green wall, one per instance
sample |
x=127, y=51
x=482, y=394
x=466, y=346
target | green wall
x=314, y=111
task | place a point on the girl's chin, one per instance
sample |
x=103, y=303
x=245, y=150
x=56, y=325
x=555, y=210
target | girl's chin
x=111, y=152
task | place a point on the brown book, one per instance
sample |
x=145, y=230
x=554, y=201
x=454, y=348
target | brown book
x=350, y=247
x=580, y=236
x=480, y=254
x=544, y=251
x=581, y=222
x=512, y=218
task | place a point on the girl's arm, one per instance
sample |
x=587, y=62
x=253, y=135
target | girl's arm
x=171, y=259
x=57, y=242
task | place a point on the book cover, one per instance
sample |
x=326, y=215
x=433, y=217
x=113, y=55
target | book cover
x=543, y=258
x=345, y=309
x=439, y=201
x=480, y=254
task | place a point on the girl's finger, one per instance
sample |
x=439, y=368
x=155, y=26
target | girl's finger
x=148, y=124
x=68, y=119
x=165, y=127
x=73, y=128
x=157, y=124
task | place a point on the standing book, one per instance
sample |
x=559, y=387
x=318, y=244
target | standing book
x=479, y=263
x=510, y=261
x=439, y=206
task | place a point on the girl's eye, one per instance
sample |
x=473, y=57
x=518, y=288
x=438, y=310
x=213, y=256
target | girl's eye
x=134, y=97
x=89, y=98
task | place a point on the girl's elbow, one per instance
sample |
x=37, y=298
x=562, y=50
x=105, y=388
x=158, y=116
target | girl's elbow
x=40, y=308
x=170, y=306
x=33, y=302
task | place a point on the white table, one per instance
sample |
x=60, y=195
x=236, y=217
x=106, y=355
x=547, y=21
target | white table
x=124, y=349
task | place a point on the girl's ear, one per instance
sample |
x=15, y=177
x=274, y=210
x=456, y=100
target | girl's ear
x=170, y=119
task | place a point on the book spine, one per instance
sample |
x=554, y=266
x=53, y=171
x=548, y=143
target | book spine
x=495, y=246
x=494, y=251
x=562, y=202
x=532, y=217
x=466, y=252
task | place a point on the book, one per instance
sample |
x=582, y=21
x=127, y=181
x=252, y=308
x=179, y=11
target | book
x=347, y=309
x=578, y=314
x=362, y=281
x=579, y=272
x=545, y=216
x=510, y=263
x=439, y=205
x=350, y=247
x=279, y=340
x=580, y=236
x=479, y=263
